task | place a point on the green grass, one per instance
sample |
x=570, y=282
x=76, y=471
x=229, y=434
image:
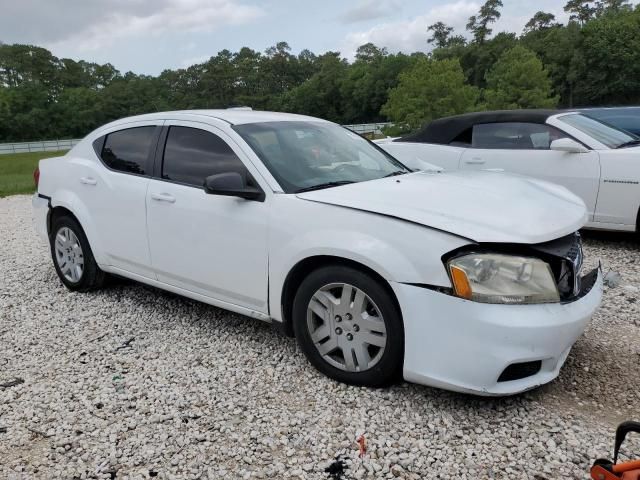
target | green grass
x=16, y=171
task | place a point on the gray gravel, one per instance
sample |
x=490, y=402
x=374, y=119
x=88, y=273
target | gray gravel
x=132, y=382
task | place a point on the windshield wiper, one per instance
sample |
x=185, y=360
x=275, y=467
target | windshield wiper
x=630, y=143
x=320, y=186
x=397, y=172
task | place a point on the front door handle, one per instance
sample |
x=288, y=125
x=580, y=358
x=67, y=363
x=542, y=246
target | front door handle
x=163, y=197
x=88, y=181
x=475, y=161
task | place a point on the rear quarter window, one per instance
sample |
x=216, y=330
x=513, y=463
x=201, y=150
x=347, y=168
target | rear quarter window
x=127, y=150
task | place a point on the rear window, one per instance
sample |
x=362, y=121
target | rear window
x=128, y=150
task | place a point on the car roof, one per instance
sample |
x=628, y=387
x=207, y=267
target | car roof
x=609, y=109
x=445, y=130
x=231, y=116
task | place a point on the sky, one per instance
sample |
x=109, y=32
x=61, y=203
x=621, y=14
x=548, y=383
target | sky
x=148, y=36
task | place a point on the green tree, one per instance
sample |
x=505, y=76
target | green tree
x=560, y=50
x=581, y=11
x=613, y=6
x=518, y=80
x=132, y=95
x=540, y=21
x=367, y=81
x=217, y=82
x=26, y=108
x=610, y=68
x=26, y=64
x=478, y=24
x=279, y=69
x=430, y=89
x=5, y=114
x=440, y=34
x=307, y=64
x=76, y=112
x=477, y=59
x=320, y=96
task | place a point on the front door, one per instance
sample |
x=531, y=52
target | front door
x=208, y=244
x=523, y=148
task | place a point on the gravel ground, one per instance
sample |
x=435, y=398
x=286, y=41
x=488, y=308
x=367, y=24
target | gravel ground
x=132, y=382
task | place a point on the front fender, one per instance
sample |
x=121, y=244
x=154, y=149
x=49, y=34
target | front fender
x=397, y=250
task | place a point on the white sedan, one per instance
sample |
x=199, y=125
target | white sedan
x=469, y=281
x=596, y=161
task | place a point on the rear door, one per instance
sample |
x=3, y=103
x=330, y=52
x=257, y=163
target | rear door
x=115, y=193
x=523, y=148
x=208, y=244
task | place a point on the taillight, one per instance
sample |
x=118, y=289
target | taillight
x=36, y=176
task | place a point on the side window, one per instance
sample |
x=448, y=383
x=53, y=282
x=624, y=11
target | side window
x=515, y=136
x=463, y=140
x=191, y=155
x=128, y=150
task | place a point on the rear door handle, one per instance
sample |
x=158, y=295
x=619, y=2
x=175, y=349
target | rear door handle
x=163, y=197
x=88, y=181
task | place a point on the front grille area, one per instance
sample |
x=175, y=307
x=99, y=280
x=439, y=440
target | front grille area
x=565, y=258
x=518, y=371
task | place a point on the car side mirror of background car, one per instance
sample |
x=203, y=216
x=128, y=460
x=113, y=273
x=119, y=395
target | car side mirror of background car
x=423, y=166
x=232, y=184
x=568, y=146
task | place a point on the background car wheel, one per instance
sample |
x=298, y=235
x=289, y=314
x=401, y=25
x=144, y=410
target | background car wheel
x=72, y=256
x=348, y=326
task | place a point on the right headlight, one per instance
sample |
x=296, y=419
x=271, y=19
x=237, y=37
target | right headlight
x=496, y=278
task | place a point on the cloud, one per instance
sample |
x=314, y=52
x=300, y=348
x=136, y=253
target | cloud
x=369, y=10
x=518, y=13
x=93, y=24
x=188, y=62
x=411, y=35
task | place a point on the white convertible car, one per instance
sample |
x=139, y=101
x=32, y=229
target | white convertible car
x=469, y=281
x=596, y=161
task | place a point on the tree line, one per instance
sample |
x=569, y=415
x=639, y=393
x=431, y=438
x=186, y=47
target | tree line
x=593, y=59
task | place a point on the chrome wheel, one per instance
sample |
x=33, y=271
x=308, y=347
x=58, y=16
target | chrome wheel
x=69, y=256
x=346, y=327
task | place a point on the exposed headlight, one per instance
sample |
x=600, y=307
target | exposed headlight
x=494, y=278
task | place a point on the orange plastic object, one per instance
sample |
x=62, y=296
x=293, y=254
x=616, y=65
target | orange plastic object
x=460, y=283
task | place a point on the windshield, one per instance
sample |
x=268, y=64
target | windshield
x=606, y=134
x=306, y=155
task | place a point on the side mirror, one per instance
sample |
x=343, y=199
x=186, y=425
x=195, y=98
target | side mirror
x=568, y=146
x=232, y=184
x=425, y=166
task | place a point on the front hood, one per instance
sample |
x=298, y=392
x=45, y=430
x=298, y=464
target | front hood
x=480, y=206
x=634, y=150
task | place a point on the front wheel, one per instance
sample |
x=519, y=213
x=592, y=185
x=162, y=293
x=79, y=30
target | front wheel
x=72, y=256
x=348, y=326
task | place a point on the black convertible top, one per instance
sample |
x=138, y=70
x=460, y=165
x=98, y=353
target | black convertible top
x=445, y=130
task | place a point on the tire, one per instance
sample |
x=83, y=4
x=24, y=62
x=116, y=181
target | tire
x=359, y=341
x=70, y=248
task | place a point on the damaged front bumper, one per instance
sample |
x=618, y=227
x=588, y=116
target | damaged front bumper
x=490, y=349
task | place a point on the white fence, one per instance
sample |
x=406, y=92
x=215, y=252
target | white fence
x=44, y=146
x=368, y=128
x=56, y=145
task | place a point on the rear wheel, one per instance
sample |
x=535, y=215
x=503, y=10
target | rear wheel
x=348, y=327
x=72, y=256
